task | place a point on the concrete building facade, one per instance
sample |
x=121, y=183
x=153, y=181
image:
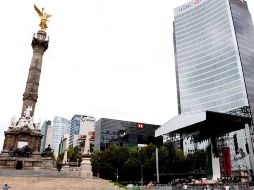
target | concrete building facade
x=80, y=125
x=48, y=136
x=44, y=131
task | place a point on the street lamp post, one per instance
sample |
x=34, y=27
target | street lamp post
x=117, y=176
x=142, y=182
x=157, y=166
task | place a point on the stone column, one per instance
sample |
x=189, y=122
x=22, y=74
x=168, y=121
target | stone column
x=40, y=45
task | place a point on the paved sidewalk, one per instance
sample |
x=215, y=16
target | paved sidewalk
x=43, y=183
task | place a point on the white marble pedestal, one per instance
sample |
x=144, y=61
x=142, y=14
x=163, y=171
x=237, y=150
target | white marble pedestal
x=86, y=169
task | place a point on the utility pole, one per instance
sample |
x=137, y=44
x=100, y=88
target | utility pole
x=157, y=166
x=142, y=182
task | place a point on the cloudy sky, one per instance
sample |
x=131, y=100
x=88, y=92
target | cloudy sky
x=106, y=58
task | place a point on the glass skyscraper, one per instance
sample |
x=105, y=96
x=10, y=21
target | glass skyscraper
x=74, y=129
x=60, y=127
x=214, y=55
x=214, y=60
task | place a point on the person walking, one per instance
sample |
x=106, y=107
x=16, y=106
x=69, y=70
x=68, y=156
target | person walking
x=6, y=187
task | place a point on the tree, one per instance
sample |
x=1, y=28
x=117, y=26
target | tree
x=96, y=162
x=131, y=167
x=74, y=154
x=59, y=162
x=129, y=160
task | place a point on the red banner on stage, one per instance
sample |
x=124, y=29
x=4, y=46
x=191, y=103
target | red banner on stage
x=226, y=161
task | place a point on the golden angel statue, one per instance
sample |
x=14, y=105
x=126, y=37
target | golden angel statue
x=44, y=17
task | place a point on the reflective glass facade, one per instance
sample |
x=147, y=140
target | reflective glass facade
x=123, y=133
x=213, y=56
x=74, y=129
x=243, y=26
x=60, y=127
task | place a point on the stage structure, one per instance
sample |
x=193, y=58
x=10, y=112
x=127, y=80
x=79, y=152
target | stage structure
x=214, y=129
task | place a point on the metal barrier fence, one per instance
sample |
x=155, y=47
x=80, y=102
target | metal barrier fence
x=157, y=188
x=233, y=187
x=61, y=188
x=199, y=187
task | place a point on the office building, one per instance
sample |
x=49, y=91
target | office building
x=44, y=131
x=60, y=127
x=124, y=133
x=214, y=61
x=80, y=125
x=214, y=53
x=64, y=143
x=48, y=136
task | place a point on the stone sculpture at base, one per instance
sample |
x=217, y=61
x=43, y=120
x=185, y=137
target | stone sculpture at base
x=21, y=147
x=27, y=119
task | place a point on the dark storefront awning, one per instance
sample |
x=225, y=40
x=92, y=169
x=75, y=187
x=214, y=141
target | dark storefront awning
x=204, y=124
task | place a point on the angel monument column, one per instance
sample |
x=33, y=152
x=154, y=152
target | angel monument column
x=40, y=45
x=24, y=132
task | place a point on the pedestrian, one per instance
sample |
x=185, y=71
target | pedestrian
x=6, y=187
x=227, y=187
x=150, y=184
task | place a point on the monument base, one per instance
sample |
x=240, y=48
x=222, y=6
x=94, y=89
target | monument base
x=19, y=137
x=15, y=139
x=26, y=163
x=86, y=169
